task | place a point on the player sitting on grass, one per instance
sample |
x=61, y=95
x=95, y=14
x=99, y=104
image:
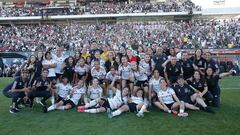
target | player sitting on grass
x=117, y=101
x=136, y=105
x=94, y=91
x=73, y=98
x=184, y=93
x=201, y=95
x=63, y=89
x=168, y=101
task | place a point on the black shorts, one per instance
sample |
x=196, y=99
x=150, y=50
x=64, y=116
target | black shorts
x=105, y=104
x=58, y=76
x=141, y=83
x=81, y=76
x=169, y=105
x=65, y=102
x=132, y=107
x=59, y=98
x=187, y=100
x=128, y=81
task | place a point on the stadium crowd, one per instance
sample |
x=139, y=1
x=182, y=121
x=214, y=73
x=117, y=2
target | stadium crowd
x=104, y=8
x=203, y=34
x=104, y=80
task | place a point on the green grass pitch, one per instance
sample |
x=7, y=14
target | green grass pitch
x=226, y=120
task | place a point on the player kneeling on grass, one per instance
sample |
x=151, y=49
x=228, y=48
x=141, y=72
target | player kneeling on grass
x=117, y=101
x=72, y=100
x=19, y=91
x=213, y=84
x=136, y=104
x=166, y=97
x=41, y=88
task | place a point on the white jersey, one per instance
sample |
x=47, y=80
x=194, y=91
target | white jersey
x=82, y=70
x=95, y=93
x=146, y=66
x=102, y=62
x=63, y=90
x=155, y=84
x=140, y=75
x=100, y=74
x=125, y=71
x=117, y=100
x=167, y=96
x=51, y=71
x=110, y=76
x=137, y=100
x=59, y=62
x=77, y=94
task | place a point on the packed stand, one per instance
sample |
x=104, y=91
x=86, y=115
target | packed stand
x=103, y=8
x=185, y=35
x=140, y=7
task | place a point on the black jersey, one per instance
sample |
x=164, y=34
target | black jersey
x=38, y=68
x=20, y=83
x=183, y=92
x=159, y=60
x=212, y=82
x=200, y=63
x=199, y=85
x=42, y=85
x=187, y=67
x=69, y=72
x=212, y=64
x=173, y=71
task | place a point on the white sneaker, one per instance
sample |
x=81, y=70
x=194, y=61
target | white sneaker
x=140, y=114
x=38, y=100
x=109, y=113
x=183, y=114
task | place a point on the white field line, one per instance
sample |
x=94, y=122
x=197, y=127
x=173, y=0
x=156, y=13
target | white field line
x=230, y=88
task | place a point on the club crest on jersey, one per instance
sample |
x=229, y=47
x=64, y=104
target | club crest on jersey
x=200, y=63
x=186, y=90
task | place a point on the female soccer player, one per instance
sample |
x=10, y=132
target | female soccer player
x=73, y=98
x=31, y=67
x=154, y=84
x=148, y=64
x=168, y=101
x=49, y=64
x=110, y=76
x=63, y=89
x=68, y=68
x=117, y=101
x=140, y=74
x=125, y=72
x=81, y=70
x=94, y=91
x=136, y=105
